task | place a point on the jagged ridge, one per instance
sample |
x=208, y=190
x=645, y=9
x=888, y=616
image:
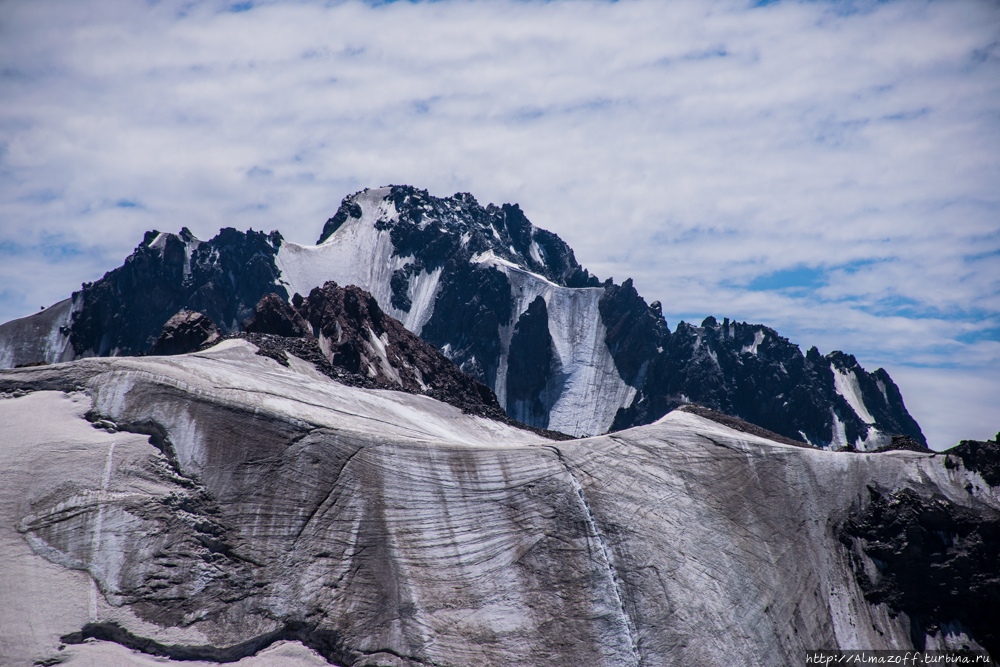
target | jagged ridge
x=587, y=358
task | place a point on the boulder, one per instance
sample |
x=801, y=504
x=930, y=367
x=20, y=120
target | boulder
x=185, y=332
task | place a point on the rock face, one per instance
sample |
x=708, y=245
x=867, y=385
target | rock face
x=217, y=505
x=124, y=312
x=273, y=315
x=587, y=358
x=930, y=559
x=533, y=369
x=980, y=456
x=185, y=332
x=354, y=334
x=751, y=372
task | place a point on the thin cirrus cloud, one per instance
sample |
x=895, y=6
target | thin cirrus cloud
x=826, y=168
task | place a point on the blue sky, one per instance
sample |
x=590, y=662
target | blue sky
x=830, y=169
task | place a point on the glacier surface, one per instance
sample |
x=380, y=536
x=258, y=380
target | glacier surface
x=231, y=506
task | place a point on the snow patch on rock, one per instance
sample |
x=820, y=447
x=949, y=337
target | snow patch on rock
x=846, y=384
x=838, y=438
x=360, y=254
x=758, y=338
x=590, y=377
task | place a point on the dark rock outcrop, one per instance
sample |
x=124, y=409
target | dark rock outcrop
x=931, y=559
x=274, y=315
x=354, y=334
x=185, y=332
x=533, y=373
x=980, y=456
x=471, y=306
x=124, y=312
x=750, y=372
x=904, y=443
x=634, y=331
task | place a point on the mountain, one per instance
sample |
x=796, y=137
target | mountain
x=504, y=300
x=222, y=506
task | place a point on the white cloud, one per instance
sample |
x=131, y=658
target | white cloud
x=694, y=145
x=945, y=397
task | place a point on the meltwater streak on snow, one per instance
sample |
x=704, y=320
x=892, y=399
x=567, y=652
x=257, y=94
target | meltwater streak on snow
x=359, y=254
x=846, y=384
x=99, y=524
x=590, y=376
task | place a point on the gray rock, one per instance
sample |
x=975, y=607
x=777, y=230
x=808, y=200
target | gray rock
x=185, y=332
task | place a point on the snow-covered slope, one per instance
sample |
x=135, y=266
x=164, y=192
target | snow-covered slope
x=363, y=255
x=271, y=509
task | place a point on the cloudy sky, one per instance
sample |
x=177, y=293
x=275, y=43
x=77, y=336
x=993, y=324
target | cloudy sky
x=830, y=169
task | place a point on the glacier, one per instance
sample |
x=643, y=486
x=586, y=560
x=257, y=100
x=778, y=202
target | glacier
x=220, y=506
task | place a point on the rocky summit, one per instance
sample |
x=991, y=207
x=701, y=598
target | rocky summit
x=351, y=332
x=507, y=302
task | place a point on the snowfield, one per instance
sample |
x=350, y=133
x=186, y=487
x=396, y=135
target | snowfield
x=274, y=516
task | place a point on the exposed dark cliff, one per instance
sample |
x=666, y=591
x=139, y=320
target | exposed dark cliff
x=353, y=333
x=934, y=560
x=472, y=305
x=750, y=372
x=533, y=373
x=124, y=312
x=185, y=332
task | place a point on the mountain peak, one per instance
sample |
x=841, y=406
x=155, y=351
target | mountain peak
x=434, y=230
